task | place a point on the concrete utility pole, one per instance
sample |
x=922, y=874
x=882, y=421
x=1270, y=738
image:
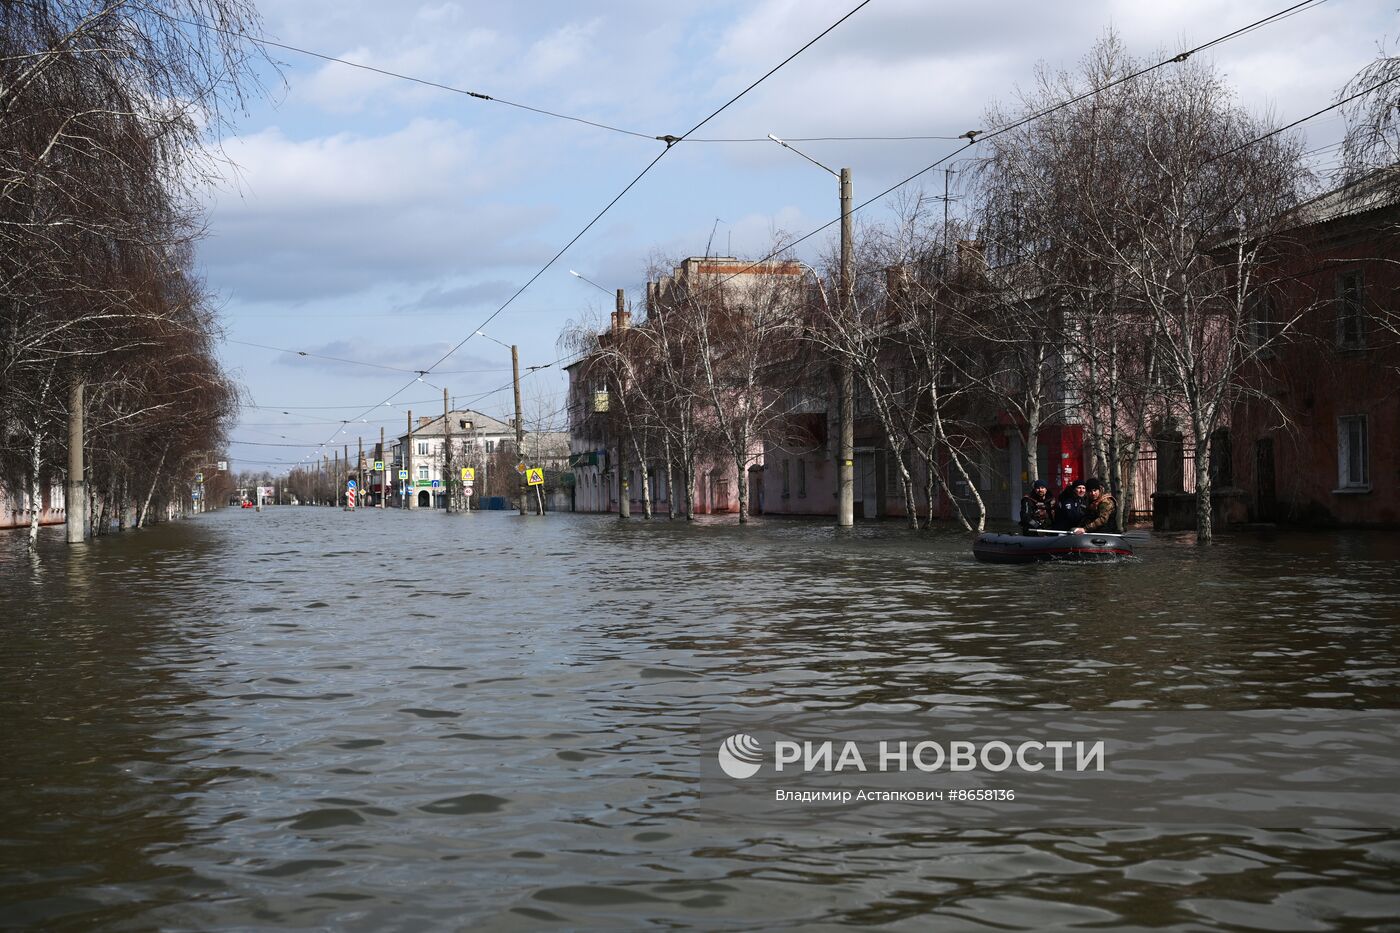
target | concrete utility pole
x=409, y=497
x=519, y=422
x=624, y=477
x=363, y=490
x=446, y=455
x=346, y=477
x=384, y=469
x=845, y=466
x=75, y=489
x=335, y=476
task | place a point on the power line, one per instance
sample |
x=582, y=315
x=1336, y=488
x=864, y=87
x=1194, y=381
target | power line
x=974, y=136
x=338, y=359
x=670, y=142
x=402, y=77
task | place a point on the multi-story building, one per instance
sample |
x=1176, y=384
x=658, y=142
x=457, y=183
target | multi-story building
x=423, y=453
x=1319, y=443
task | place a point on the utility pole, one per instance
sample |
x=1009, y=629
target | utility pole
x=75, y=491
x=343, y=479
x=384, y=469
x=409, y=498
x=845, y=467
x=624, y=474
x=362, y=491
x=335, y=476
x=446, y=455
x=519, y=421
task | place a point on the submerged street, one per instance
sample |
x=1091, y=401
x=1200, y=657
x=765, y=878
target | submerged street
x=386, y=720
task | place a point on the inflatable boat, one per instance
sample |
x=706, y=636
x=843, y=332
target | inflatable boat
x=1025, y=549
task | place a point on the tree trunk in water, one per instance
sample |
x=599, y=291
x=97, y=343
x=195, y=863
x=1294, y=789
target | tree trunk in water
x=1205, y=517
x=122, y=504
x=155, y=478
x=670, y=484
x=36, y=491
x=742, y=478
x=1030, y=454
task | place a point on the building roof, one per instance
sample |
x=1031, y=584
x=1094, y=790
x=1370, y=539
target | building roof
x=478, y=421
x=1373, y=191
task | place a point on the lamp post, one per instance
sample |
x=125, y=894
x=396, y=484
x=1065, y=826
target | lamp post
x=845, y=380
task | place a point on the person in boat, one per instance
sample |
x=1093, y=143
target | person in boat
x=1037, y=508
x=1073, y=509
x=1100, y=511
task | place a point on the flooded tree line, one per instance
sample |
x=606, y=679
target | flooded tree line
x=109, y=116
x=1124, y=253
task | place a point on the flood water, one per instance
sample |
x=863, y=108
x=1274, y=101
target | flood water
x=304, y=718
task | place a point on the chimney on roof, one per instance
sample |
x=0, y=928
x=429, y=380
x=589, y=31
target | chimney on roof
x=622, y=318
x=424, y=421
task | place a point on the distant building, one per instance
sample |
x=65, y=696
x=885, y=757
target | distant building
x=477, y=441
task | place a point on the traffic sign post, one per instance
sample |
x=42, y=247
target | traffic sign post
x=403, y=474
x=534, y=476
x=379, y=466
x=468, y=475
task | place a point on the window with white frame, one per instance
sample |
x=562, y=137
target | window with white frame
x=1351, y=310
x=422, y=448
x=422, y=471
x=1353, y=453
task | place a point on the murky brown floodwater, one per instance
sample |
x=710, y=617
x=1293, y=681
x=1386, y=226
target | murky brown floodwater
x=306, y=718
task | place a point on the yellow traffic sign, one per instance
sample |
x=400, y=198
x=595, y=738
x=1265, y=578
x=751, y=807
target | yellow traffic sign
x=468, y=475
x=379, y=466
x=521, y=467
x=534, y=476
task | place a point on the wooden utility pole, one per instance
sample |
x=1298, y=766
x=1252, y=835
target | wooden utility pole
x=845, y=464
x=346, y=476
x=519, y=422
x=75, y=489
x=410, y=498
x=383, y=469
x=361, y=491
x=446, y=454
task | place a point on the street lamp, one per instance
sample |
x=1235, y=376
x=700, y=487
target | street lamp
x=845, y=383
x=590, y=282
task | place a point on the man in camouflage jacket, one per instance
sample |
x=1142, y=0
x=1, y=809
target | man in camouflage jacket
x=1101, y=508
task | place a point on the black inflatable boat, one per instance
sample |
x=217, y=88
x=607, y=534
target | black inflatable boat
x=1025, y=549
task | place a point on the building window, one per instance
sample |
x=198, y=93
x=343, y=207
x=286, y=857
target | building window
x=1351, y=310
x=1264, y=324
x=801, y=478
x=422, y=471
x=490, y=447
x=422, y=448
x=1353, y=453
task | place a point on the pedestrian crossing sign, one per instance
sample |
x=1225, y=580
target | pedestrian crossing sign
x=534, y=476
x=379, y=466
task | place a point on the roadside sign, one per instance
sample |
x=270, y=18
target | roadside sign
x=467, y=491
x=468, y=475
x=350, y=497
x=199, y=477
x=223, y=466
x=403, y=474
x=379, y=466
x=521, y=467
x=436, y=484
x=534, y=476
x=349, y=484
x=194, y=494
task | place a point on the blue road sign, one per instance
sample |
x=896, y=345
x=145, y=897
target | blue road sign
x=436, y=483
x=349, y=484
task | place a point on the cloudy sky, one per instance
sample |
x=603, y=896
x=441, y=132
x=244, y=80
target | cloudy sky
x=379, y=220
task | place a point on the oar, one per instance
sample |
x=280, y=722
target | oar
x=1096, y=534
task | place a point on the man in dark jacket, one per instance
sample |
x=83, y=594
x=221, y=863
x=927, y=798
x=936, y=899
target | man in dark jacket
x=1101, y=508
x=1074, y=506
x=1037, y=508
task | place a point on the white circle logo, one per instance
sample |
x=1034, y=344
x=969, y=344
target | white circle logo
x=740, y=756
